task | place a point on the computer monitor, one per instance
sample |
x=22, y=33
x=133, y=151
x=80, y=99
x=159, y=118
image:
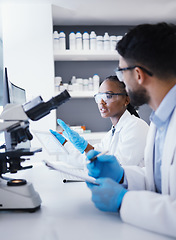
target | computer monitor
x=16, y=95
x=12, y=93
x=1, y=79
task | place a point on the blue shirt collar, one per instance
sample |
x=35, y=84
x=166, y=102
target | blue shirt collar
x=165, y=109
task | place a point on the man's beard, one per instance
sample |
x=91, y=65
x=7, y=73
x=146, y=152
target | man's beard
x=138, y=97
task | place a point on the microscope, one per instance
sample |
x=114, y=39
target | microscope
x=18, y=194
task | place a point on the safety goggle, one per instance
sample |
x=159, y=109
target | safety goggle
x=119, y=71
x=107, y=97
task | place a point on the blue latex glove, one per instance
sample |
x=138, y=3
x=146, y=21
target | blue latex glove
x=59, y=137
x=104, y=166
x=108, y=195
x=79, y=142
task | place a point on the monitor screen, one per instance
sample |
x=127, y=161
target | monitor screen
x=16, y=95
x=12, y=93
x=1, y=63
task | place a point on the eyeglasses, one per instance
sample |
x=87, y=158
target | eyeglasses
x=107, y=97
x=119, y=71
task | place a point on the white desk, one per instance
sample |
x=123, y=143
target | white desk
x=66, y=213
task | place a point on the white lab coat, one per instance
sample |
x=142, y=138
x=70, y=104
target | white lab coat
x=148, y=209
x=128, y=142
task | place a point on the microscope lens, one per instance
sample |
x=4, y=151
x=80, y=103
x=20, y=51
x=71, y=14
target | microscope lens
x=16, y=182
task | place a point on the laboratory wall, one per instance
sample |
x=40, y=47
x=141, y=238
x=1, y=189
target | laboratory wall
x=28, y=52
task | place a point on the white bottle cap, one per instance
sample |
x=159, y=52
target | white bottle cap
x=119, y=38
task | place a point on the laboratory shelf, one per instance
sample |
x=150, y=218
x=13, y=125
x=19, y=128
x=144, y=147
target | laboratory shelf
x=81, y=94
x=69, y=55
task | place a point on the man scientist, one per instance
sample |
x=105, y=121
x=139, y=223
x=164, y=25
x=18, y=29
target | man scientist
x=145, y=197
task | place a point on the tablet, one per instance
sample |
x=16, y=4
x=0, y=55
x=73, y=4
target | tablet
x=50, y=142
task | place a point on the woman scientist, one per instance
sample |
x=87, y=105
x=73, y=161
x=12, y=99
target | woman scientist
x=127, y=137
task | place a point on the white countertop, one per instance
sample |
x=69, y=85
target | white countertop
x=66, y=212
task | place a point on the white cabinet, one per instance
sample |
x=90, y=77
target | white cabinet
x=82, y=94
x=69, y=55
x=82, y=109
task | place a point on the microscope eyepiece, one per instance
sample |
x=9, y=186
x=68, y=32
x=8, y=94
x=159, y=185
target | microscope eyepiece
x=37, y=108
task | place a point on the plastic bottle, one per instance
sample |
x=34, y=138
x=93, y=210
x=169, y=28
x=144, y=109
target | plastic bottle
x=113, y=42
x=96, y=82
x=56, y=40
x=72, y=41
x=79, y=41
x=106, y=42
x=62, y=41
x=57, y=82
x=100, y=43
x=61, y=87
x=85, y=41
x=85, y=84
x=93, y=39
x=73, y=80
x=90, y=86
x=74, y=83
x=79, y=81
x=70, y=86
x=119, y=38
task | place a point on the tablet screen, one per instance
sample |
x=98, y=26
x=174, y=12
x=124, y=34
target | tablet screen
x=50, y=142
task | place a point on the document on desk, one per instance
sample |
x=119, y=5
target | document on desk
x=68, y=169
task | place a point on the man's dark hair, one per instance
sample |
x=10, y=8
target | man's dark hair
x=152, y=46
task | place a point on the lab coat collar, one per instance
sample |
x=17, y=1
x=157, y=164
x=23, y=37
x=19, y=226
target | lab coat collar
x=164, y=111
x=121, y=121
x=168, y=153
